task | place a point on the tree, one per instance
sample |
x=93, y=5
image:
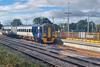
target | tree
x=63, y=26
x=57, y=27
x=83, y=24
x=98, y=27
x=72, y=26
x=16, y=22
x=41, y=20
x=80, y=26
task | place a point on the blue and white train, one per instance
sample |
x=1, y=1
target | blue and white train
x=44, y=33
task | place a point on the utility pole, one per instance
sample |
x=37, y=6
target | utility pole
x=88, y=26
x=68, y=15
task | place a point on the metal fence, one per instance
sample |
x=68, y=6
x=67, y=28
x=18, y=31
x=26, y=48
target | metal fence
x=81, y=35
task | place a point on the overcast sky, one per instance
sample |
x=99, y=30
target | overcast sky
x=28, y=9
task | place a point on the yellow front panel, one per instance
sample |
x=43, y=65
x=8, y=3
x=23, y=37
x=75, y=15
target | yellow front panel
x=56, y=34
x=49, y=32
x=44, y=40
x=52, y=39
x=44, y=34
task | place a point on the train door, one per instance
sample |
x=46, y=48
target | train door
x=37, y=31
x=14, y=30
x=47, y=33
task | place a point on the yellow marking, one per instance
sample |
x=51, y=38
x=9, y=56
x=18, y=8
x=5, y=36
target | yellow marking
x=49, y=32
x=44, y=40
x=44, y=34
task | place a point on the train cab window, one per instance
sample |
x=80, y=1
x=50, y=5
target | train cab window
x=34, y=30
x=45, y=29
x=41, y=29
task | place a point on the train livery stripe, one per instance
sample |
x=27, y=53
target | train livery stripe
x=49, y=32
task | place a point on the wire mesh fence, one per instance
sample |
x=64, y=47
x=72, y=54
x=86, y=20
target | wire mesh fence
x=81, y=35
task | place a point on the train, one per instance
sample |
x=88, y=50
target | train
x=44, y=33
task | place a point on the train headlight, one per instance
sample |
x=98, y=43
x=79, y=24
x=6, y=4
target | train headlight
x=38, y=28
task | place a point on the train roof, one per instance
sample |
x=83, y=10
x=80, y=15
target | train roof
x=24, y=26
x=16, y=26
x=21, y=26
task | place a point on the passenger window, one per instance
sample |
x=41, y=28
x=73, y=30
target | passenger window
x=29, y=30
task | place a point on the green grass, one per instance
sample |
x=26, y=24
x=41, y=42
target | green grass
x=10, y=58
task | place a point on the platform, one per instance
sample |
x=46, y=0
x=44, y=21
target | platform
x=82, y=45
x=81, y=42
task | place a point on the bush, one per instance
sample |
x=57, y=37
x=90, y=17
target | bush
x=10, y=58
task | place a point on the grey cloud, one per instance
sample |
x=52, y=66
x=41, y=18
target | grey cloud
x=87, y=4
x=78, y=4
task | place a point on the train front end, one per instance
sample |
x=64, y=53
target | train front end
x=48, y=34
x=44, y=33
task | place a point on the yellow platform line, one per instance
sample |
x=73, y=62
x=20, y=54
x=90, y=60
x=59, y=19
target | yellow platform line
x=84, y=40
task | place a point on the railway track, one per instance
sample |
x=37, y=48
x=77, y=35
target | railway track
x=51, y=57
x=55, y=62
